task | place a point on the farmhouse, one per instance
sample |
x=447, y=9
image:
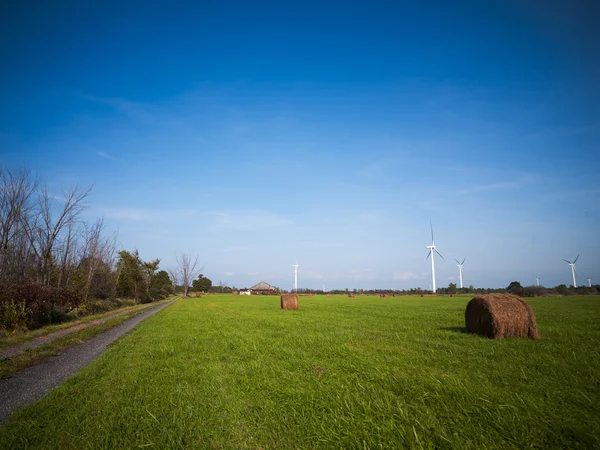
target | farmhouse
x=261, y=288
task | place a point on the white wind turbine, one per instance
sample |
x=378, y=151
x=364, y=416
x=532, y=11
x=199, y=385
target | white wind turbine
x=537, y=281
x=431, y=248
x=295, y=266
x=590, y=282
x=572, y=264
x=460, y=264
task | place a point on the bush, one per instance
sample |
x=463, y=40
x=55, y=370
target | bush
x=534, y=291
x=43, y=305
x=14, y=316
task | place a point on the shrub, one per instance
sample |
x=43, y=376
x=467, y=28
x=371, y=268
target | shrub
x=44, y=305
x=14, y=316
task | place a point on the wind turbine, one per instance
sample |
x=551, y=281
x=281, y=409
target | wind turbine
x=431, y=248
x=572, y=264
x=460, y=264
x=590, y=282
x=295, y=266
x=537, y=281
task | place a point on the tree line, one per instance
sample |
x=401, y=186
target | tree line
x=54, y=263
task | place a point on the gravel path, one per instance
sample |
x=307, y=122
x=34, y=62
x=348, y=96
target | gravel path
x=32, y=383
x=42, y=340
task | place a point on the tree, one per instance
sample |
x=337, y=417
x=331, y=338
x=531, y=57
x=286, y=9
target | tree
x=515, y=288
x=46, y=228
x=160, y=285
x=174, y=276
x=202, y=284
x=97, y=251
x=149, y=269
x=452, y=288
x=130, y=278
x=187, y=270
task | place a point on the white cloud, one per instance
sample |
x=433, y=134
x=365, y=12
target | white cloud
x=248, y=219
x=106, y=156
x=236, y=248
x=128, y=214
x=405, y=276
x=229, y=274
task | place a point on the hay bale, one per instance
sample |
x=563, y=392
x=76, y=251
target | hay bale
x=499, y=316
x=351, y=295
x=289, y=301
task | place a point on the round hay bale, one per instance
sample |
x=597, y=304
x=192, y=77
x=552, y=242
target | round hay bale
x=289, y=301
x=351, y=295
x=500, y=316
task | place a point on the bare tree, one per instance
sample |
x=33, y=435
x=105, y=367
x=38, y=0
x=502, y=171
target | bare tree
x=188, y=270
x=17, y=195
x=97, y=250
x=45, y=231
x=174, y=276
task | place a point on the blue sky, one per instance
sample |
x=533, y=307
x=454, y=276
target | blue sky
x=255, y=133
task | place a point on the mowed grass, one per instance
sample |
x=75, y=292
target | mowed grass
x=238, y=372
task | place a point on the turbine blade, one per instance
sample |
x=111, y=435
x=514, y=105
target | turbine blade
x=568, y=262
x=457, y=261
x=574, y=269
x=576, y=259
x=436, y=250
x=463, y=261
x=431, y=226
x=428, y=255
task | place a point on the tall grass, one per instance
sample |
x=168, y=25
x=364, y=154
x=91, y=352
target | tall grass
x=233, y=372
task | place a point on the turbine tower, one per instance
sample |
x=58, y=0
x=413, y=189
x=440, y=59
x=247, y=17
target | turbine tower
x=537, y=281
x=590, y=282
x=431, y=248
x=295, y=266
x=460, y=264
x=572, y=264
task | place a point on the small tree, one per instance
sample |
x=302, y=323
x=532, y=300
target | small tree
x=202, y=284
x=515, y=288
x=452, y=288
x=188, y=269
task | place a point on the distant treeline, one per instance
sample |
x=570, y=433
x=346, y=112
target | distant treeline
x=514, y=288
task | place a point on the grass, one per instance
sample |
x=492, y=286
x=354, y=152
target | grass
x=11, y=365
x=233, y=372
x=13, y=339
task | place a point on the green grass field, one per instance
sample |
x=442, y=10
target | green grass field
x=238, y=372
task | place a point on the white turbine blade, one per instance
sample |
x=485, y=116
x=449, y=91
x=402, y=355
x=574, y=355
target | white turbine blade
x=428, y=255
x=436, y=250
x=457, y=261
x=568, y=262
x=463, y=261
x=576, y=259
x=574, y=268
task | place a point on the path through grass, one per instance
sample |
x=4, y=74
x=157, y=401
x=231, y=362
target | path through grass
x=238, y=372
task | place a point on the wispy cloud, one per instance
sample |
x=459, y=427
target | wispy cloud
x=236, y=248
x=510, y=184
x=129, y=214
x=321, y=244
x=141, y=112
x=405, y=276
x=248, y=219
x=106, y=156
